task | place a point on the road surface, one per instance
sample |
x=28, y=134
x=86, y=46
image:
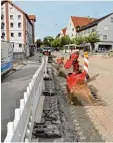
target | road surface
x=12, y=90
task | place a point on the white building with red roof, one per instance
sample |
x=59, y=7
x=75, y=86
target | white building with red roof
x=63, y=32
x=75, y=23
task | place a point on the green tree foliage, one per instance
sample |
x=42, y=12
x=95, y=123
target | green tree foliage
x=78, y=40
x=38, y=42
x=65, y=40
x=92, y=38
x=47, y=41
x=56, y=42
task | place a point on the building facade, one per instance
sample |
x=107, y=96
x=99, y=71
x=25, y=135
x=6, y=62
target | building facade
x=18, y=26
x=63, y=32
x=104, y=28
x=76, y=22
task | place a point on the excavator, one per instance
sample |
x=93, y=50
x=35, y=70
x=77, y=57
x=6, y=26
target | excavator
x=77, y=88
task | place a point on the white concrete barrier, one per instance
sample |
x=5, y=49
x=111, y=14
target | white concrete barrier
x=20, y=130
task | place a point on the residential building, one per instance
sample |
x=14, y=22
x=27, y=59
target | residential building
x=104, y=28
x=76, y=22
x=63, y=32
x=18, y=26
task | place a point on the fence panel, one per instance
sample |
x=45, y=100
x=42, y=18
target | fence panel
x=20, y=130
x=6, y=56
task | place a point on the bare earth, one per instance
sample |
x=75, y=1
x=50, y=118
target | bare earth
x=101, y=75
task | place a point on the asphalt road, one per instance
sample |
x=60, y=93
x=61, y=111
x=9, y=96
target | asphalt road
x=12, y=90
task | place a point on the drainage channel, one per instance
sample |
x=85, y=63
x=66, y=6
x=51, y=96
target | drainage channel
x=53, y=126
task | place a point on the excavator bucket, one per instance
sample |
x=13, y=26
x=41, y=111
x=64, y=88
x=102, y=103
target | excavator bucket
x=78, y=89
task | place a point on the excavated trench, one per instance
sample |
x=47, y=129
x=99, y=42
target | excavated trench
x=61, y=121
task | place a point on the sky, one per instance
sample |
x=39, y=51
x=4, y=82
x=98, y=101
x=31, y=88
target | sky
x=52, y=16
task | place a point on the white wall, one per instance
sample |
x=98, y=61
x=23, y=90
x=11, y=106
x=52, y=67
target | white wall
x=105, y=27
x=69, y=30
x=15, y=21
x=4, y=13
x=86, y=32
x=61, y=34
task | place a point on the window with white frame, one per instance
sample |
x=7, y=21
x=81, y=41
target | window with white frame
x=19, y=16
x=72, y=29
x=19, y=25
x=19, y=34
x=104, y=37
x=2, y=10
x=11, y=16
x=93, y=30
x=12, y=34
x=2, y=25
x=11, y=25
x=11, y=9
x=20, y=45
x=105, y=28
x=2, y=16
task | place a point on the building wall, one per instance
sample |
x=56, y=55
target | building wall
x=25, y=28
x=86, y=32
x=3, y=11
x=29, y=33
x=61, y=34
x=105, y=27
x=16, y=30
x=70, y=31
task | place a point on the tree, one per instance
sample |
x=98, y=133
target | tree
x=92, y=38
x=78, y=40
x=56, y=42
x=65, y=40
x=38, y=42
x=47, y=40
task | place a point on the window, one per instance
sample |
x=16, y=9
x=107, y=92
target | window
x=19, y=16
x=19, y=34
x=93, y=30
x=11, y=9
x=111, y=19
x=2, y=25
x=2, y=16
x=104, y=37
x=20, y=45
x=12, y=34
x=11, y=25
x=11, y=16
x=105, y=28
x=2, y=9
x=72, y=29
x=19, y=25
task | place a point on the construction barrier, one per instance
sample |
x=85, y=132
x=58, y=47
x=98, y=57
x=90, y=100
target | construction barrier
x=20, y=130
x=86, y=62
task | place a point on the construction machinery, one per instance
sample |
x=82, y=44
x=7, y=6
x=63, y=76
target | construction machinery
x=78, y=90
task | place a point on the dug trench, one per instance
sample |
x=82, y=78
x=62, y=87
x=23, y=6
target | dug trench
x=61, y=121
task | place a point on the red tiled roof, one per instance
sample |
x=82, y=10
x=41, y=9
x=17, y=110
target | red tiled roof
x=32, y=17
x=81, y=21
x=64, y=31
